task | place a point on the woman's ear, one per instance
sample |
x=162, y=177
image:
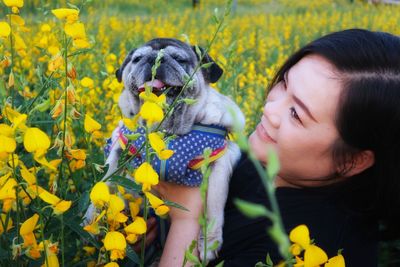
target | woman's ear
x=362, y=161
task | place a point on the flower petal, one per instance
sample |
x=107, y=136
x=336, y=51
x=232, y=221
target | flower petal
x=314, y=256
x=337, y=261
x=35, y=139
x=300, y=235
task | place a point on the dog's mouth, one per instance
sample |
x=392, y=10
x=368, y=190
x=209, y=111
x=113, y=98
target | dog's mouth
x=158, y=87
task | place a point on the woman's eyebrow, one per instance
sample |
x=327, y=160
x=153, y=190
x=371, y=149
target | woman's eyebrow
x=297, y=100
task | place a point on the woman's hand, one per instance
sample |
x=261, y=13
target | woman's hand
x=184, y=224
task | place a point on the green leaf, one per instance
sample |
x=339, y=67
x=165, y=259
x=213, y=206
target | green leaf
x=192, y=258
x=74, y=226
x=221, y=264
x=273, y=165
x=268, y=261
x=207, y=65
x=131, y=254
x=133, y=137
x=214, y=246
x=175, y=205
x=198, y=51
x=126, y=183
x=81, y=51
x=83, y=202
x=189, y=101
x=252, y=210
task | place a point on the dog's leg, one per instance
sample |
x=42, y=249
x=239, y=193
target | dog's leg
x=218, y=186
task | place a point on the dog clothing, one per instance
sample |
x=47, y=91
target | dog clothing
x=183, y=167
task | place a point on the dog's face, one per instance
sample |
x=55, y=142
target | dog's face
x=179, y=61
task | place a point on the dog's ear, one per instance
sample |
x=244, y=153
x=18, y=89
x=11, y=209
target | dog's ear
x=119, y=71
x=211, y=73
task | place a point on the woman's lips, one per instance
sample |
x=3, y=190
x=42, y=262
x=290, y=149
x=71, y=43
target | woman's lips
x=262, y=133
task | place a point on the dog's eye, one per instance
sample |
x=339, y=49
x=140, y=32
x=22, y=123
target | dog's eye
x=136, y=59
x=181, y=61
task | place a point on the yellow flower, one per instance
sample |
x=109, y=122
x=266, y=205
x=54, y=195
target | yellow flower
x=159, y=146
x=87, y=82
x=77, y=158
x=7, y=193
x=75, y=30
x=146, y=175
x=7, y=144
x=69, y=14
x=337, y=261
x=36, y=141
x=59, y=206
x=89, y=250
x=114, y=214
x=26, y=230
x=314, y=256
x=158, y=205
x=55, y=63
x=93, y=228
x=51, y=254
x=14, y=3
x=45, y=28
x=15, y=19
x=91, y=125
x=5, y=29
x=100, y=194
x=6, y=130
x=115, y=242
x=17, y=119
x=131, y=123
x=111, y=264
x=151, y=112
x=81, y=43
x=295, y=249
x=300, y=235
x=3, y=219
x=137, y=227
x=134, y=207
x=151, y=97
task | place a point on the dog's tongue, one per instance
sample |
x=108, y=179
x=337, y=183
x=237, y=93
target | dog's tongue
x=153, y=84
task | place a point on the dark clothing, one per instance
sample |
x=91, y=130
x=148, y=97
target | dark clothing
x=331, y=223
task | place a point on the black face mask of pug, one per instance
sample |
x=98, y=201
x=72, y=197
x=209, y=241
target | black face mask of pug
x=211, y=108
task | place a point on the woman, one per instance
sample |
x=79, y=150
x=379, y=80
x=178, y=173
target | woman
x=333, y=116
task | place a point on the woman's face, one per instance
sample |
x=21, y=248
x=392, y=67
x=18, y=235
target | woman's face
x=298, y=122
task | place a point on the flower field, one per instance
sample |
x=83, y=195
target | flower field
x=59, y=102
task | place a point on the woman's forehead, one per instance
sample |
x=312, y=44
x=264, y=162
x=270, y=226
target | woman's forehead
x=314, y=81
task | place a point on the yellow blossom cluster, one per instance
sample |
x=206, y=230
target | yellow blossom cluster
x=312, y=254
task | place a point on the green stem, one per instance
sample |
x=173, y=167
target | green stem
x=145, y=212
x=270, y=189
x=61, y=169
x=43, y=240
x=12, y=58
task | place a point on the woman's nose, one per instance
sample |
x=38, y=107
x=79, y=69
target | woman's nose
x=272, y=113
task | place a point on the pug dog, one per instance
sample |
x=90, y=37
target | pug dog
x=178, y=62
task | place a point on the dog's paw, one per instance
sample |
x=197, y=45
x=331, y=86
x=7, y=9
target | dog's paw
x=214, y=243
x=89, y=216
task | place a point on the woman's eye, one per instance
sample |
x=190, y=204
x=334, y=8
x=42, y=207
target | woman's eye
x=294, y=114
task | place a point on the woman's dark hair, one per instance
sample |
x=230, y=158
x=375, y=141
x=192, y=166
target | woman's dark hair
x=368, y=115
